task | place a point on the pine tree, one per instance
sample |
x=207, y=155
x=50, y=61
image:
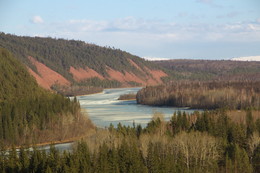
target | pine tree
x=250, y=126
x=113, y=161
x=102, y=162
x=24, y=160
x=241, y=161
x=256, y=159
x=83, y=155
x=13, y=161
x=152, y=159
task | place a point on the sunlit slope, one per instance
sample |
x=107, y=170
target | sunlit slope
x=70, y=62
x=30, y=114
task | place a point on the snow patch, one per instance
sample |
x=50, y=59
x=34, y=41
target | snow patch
x=247, y=58
x=154, y=58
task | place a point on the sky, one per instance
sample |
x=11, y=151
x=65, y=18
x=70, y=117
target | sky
x=177, y=29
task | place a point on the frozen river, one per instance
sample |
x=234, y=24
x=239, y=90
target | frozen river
x=105, y=108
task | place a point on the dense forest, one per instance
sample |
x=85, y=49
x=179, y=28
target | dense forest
x=225, y=139
x=203, y=95
x=201, y=142
x=205, y=70
x=60, y=55
x=30, y=114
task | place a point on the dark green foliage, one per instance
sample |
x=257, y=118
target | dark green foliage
x=25, y=109
x=258, y=125
x=179, y=122
x=15, y=81
x=177, y=154
x=256, y=159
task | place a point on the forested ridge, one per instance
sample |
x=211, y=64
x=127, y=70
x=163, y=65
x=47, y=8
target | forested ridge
x=60, y=55
x=203, y=95
x=30, y=114
x=220, y=140
x=200, y=142
x=205, y=70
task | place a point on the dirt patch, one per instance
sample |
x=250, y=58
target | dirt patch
x=156, y=74
x=153, y=79
x=46, y=77
x=39, y=79
x=81, y=74
x=123, y=78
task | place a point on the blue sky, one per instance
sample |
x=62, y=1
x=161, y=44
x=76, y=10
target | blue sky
x=200, y=29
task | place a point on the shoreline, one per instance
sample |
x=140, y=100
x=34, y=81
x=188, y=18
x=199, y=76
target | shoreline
x=126, y=99
x=73, y=139
x=65, y=141
x=103, y=91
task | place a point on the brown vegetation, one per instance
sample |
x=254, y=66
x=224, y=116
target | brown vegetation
x=212, y=69
x=130, y=96
x=76, y=90
x=203, y=95
x=67, y=128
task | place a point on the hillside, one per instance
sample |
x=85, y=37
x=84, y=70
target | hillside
x=30, y=114
x=69, y=62
x=212, y=69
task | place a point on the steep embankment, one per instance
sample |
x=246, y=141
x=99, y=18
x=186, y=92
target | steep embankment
x=69, y=62
x=46, y=77
x=30, y=114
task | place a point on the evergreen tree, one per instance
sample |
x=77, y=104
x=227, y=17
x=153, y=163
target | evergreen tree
x=250, y=124
x=24, y=160
x=256, y=159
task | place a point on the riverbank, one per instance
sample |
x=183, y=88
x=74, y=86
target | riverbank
x=57, y=142
x=107, y=89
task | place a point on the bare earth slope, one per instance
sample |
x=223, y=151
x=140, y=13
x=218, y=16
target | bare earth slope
x=69, y=62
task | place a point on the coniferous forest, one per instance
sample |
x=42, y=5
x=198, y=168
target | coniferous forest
x=30, y=114
x=201, y=142
x=61, y=54
x=223, y=139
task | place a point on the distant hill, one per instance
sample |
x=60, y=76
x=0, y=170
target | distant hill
x=30, y=114
x=212, y=70
x=69, y=62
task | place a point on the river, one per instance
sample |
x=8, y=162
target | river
x=105, y=108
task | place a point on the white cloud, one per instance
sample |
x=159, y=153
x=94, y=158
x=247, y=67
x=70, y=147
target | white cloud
x=154, y=37
x=37, y=20
x=129, y=29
